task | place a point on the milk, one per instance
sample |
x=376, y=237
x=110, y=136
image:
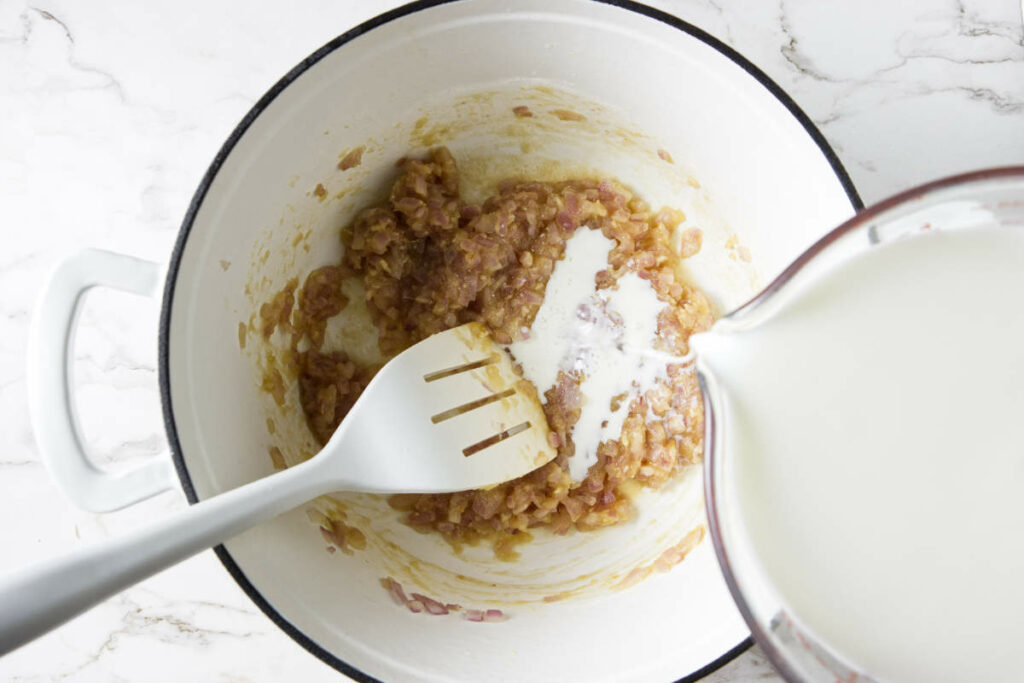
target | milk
x=545, y=349
x=606, y=337
x=875, y=428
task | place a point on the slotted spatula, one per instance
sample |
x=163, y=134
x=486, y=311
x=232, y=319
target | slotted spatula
x=448, y=414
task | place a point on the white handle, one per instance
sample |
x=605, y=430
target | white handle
x=35, y=599
x=49, y=374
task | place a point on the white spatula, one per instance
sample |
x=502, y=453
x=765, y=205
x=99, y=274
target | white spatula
x=448, y=414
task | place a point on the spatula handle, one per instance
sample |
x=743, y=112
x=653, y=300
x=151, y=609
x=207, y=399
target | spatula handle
x=37, y=598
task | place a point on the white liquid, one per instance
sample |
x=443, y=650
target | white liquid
x=570, y=286
x=613, y=349
x=875, y=426
x=606, y=336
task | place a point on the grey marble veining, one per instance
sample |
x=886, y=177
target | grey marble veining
x=109, y=114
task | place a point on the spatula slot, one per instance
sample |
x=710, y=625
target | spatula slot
x=466, y=367
x=472, y=405
x=497, y=438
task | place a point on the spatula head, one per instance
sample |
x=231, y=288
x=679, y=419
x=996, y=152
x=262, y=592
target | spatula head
x=448, y=414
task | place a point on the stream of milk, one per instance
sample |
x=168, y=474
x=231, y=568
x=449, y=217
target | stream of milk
x=874, y=429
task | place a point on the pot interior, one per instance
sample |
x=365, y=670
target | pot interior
x=666, y=114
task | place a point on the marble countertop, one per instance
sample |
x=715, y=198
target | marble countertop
x=110, y=113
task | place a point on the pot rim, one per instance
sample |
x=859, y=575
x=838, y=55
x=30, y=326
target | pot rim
x=224, y=152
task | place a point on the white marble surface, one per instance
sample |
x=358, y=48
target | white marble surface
x=109, y=114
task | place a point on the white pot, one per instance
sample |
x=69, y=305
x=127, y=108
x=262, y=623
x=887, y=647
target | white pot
x=747, y=163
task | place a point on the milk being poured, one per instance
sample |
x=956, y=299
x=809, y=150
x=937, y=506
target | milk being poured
x=875, y=429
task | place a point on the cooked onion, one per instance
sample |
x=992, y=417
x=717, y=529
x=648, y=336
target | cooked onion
x=433, y=606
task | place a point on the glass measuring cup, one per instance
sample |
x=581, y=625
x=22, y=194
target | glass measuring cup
x=982, y=199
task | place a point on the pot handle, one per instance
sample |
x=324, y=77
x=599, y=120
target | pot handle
x=51, y=400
